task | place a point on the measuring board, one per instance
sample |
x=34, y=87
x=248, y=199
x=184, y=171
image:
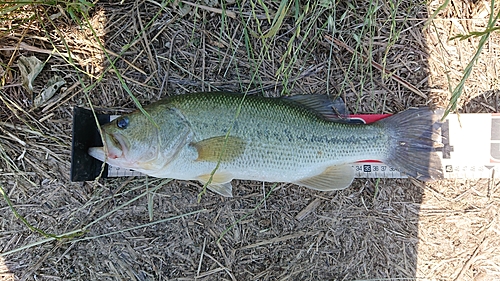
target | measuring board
x=471, y=148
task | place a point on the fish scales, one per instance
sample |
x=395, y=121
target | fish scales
x=293, y=136
x=267, y=139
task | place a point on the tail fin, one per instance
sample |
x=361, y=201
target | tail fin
x=415, y=133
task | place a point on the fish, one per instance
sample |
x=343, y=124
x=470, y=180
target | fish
x=215, y=137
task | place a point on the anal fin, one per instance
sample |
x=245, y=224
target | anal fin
x=219, y=183
x=224, y=189
x=332, y=178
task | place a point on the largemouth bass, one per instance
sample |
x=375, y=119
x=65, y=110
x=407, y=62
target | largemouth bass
x=217, y=137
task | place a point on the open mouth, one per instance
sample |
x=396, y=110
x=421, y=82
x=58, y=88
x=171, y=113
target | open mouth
x=116, y=146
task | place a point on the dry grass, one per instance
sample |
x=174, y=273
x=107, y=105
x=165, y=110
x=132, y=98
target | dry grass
x=458, y=224
x=374, y=230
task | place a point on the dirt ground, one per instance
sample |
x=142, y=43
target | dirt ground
x=155, y=229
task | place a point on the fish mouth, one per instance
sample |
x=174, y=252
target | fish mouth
x=97, y=153
x=115, y=147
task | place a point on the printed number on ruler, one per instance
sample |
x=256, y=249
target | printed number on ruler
x=376, y=170
x=470, y=171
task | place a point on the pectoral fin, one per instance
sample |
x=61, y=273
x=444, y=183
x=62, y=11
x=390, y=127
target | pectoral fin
x=220, y=183
x=332, y=178
x=220, y=148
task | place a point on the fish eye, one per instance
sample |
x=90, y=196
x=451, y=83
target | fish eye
x=122, y=123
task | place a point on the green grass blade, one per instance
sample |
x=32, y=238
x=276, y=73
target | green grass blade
x=278, y=20
x=457, y=92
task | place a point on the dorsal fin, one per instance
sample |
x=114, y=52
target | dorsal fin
x=333, y=110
